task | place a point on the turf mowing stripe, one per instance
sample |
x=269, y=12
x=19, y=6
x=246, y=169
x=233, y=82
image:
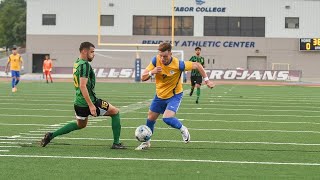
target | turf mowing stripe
x=163, y=160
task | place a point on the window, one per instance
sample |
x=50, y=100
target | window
x=234, y=26
x=48, y=19
x=107, y=20
x=292, y=23
x=161, y=25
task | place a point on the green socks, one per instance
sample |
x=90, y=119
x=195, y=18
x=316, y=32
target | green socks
x=116, y=128
x=198, y=93
x=66, y=129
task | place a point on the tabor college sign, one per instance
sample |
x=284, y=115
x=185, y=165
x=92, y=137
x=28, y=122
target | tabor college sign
x=200, y=8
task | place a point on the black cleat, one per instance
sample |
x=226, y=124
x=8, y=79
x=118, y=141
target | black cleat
x=118, y=146
x=47, y=138
x=197, y=102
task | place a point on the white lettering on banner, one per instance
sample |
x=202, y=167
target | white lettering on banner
x=242, y=75
x=212, y=74
x=216, y=74
x=283, y=75
x=101, y=73
x=230, y=74
x=125, y=73
x=255, y=75
x=113, y=73
x=268, y=75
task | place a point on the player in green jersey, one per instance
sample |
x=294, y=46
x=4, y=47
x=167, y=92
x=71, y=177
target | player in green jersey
x=85, y=102
x=196, y=78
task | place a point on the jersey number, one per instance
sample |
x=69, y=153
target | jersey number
x=75, y=81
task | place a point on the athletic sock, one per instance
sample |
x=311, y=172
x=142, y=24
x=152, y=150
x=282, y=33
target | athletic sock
x=173, y=122
x=116, y=128
x=66, y=129
x=13, y=82
x=150, y=124
x=198, y=92
x=17, y=81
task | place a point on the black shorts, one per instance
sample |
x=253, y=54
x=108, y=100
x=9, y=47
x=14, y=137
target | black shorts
x=196, y=80
x=83, y=112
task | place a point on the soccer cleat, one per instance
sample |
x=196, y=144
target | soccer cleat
x=118, y=146
x=197, y=101
x=14, y=89
x=185, y=134
x=47, y=138
x=143, y=146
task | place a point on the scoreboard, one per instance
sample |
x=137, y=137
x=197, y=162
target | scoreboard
x=309, y=44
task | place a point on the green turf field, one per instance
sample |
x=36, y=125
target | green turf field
x=237, y=132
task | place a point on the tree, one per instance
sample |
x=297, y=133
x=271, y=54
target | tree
x=12, y=23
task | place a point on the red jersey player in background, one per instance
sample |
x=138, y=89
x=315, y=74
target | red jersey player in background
x=47, y=67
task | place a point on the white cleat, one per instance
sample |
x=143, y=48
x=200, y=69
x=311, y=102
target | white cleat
x=185, y=134
x=143, y=146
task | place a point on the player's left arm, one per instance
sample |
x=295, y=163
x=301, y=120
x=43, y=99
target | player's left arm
x=21, y=62
x=202, y=62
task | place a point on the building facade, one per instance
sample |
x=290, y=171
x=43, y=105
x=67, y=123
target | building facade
x=250, y=34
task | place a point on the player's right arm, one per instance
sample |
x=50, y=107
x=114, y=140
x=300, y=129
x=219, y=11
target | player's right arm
x=7, y=67
x=150, y=70
x=85, y=93
x=43, y=65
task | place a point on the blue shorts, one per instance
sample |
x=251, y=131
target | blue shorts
x=160, y=105
x=15, y=73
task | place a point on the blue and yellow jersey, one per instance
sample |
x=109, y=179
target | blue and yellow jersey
x=15, y=62
x=168, y=82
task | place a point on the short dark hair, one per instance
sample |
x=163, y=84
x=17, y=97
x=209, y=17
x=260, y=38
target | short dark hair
x=164, y=47
x=85, y=45
x=197, y=48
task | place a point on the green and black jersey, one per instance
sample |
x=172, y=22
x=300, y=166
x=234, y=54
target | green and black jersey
x=82, y=68
x=198, y=59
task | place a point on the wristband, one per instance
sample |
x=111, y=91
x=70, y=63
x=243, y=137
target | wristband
x=206, y=79
x=150, y=74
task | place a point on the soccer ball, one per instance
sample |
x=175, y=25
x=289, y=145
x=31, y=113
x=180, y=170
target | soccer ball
x=143, y=133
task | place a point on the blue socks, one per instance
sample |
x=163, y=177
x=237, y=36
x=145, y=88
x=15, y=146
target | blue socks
x=13, y=82
x=17, y=81
x=150, y=124
x=173, y=122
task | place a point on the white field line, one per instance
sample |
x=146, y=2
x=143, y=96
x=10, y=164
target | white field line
x=38, y=116
x=162, y=160
x=227, y=121
x=15, y=143
x=31, y=134
x=5, y=150
x=179, y=141
x=32, y=109
x=8, y=124
x=241, y=101
x=233, y=130
x=10, y=146
x=198, y=108
x=16, y=139
x=254, y=109
x=249, y=105
x=230, y=114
